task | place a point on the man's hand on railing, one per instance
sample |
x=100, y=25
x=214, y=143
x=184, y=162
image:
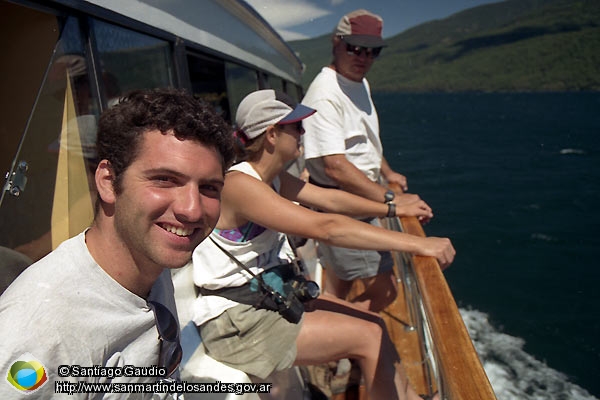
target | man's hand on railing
x=396, y=178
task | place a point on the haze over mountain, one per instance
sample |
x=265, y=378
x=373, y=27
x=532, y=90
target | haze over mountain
x=515, y=45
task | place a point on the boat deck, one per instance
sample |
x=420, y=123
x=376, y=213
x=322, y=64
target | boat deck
x=405, y=336
x=425, y=325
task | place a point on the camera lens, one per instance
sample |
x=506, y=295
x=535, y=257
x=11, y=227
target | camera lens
x=307, y=290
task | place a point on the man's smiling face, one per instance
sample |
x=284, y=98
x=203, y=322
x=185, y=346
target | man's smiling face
x=169, y=201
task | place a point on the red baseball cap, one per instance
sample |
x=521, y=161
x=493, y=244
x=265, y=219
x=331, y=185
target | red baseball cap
x=361, y=28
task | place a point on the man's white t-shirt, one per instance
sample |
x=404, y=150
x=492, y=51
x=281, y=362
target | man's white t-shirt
x=64, y=310
x=346, y=123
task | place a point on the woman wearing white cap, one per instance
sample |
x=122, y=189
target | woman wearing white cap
x=247, y=311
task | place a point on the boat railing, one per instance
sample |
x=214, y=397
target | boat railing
x=450, y=363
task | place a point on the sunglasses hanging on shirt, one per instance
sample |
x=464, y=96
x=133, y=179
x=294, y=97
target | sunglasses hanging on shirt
x=168, y=334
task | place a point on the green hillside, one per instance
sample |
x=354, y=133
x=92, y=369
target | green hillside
x=513, y=45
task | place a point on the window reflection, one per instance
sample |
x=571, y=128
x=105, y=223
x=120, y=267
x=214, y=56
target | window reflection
x=207, y=76
x=29, y=36
x=275, y=83
x=58, y=146
x=131, y=60
x=240, y=82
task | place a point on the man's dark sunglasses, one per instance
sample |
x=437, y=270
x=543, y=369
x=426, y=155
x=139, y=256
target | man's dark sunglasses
x=168, y=334
x=371, y=52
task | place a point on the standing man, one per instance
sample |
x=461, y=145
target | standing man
x=343, y=150
x=103, y=300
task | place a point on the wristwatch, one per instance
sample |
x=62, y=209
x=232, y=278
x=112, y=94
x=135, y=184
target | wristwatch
x=389, y=197
x=391, y=209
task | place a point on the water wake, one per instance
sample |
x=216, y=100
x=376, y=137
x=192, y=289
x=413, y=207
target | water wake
x=513, y=373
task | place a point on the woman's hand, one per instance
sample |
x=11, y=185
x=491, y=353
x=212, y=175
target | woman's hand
x=440, y=248
x=417, y=208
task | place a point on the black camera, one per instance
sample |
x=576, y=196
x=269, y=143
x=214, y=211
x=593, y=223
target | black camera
x=291, y=309
x=301, y=291
x=304, y=289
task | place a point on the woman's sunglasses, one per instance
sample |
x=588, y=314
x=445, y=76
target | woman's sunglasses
x=297, y=126
x=168, y=334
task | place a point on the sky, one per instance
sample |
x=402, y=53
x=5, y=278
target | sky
x=304, y=19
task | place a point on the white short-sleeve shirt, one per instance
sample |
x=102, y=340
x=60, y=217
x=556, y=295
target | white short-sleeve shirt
x=346, y=123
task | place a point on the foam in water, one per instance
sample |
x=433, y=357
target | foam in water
x=514, y=374
x=572, y=151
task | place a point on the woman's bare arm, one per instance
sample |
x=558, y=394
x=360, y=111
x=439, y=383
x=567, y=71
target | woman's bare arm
x=248, y=199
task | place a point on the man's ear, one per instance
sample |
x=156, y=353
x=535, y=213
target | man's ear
x=335, y=40
x=105, y=182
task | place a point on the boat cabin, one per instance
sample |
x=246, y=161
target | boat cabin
x=67, y=61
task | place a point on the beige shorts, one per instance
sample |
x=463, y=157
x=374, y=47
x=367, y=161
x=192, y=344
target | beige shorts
x=255, y=341
x=350, y=264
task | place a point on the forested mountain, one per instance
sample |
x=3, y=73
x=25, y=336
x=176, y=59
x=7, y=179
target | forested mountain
x=513, y=45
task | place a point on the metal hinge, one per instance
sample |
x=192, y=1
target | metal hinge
x=16, y=182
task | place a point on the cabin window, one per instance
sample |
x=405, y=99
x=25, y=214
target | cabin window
x=263, y=81
x=131, y=60
x=207, y=77
x=267, y=81
x=27, y=42
x=276, y=83
x=49, y=195
x=295, y=91
x=240, y=82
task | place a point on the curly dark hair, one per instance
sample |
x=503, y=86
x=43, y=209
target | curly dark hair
x=121, y=127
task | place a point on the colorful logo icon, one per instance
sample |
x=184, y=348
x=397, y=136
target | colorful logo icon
x=27, y=374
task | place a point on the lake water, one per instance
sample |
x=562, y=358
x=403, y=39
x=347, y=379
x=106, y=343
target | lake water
x=514, y=181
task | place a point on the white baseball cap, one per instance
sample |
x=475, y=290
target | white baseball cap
x=267, y=107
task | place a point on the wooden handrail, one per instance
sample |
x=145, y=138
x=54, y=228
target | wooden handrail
x=462, y=376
